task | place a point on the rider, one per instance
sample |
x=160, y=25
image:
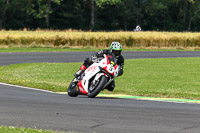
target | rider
x=115, y=50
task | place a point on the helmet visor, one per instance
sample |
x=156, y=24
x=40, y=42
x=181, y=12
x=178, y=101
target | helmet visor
x=116, y=52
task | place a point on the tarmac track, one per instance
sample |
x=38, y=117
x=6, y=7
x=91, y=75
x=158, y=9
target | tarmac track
x=26, y=107
x=16, y=58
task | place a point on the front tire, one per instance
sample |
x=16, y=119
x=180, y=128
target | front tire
x=101, y=83
x=72, y=92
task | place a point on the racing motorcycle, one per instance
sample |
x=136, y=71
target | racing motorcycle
x=95, y=78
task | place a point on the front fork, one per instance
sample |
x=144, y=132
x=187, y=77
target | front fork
x=108, y=82
x=101, y=74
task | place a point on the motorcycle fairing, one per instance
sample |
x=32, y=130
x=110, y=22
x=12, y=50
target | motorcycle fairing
x=93, y=70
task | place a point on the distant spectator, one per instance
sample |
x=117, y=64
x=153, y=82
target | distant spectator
x=138, y=28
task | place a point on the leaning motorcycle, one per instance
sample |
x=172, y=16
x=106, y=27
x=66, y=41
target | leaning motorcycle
x=95, y=78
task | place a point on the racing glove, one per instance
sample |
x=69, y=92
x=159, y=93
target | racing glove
x=94, y=58
x=120, y=71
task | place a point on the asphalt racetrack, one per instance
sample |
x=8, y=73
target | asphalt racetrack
x=27, y=107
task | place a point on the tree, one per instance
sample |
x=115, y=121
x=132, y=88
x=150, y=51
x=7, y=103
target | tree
x=70, y=14
x=42, y=9
x=4, y=6
x=170, y=15
x=18, y=14
x=155, y=14
x=100, y=4
x=196, y=16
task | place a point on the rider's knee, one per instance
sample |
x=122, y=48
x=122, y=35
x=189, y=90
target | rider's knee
x=111, y=86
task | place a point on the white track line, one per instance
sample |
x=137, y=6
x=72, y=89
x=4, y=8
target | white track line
x=18, y=86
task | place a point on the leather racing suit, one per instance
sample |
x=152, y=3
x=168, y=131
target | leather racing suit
x=89, y=61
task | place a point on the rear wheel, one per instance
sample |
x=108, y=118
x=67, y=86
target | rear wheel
x=95, y=88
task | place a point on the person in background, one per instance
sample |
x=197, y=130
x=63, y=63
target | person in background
x=138, y=28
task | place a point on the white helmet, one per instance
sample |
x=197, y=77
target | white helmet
x=116, y=49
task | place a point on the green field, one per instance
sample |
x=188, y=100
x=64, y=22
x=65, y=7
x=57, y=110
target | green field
x=5, y=129
x=170, y=77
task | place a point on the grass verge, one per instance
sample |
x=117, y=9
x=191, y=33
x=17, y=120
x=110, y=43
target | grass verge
x=71, y=49
x=5, y=129
x=169, y=77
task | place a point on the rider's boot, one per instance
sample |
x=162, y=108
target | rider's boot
x=111, y=86
x=80, y=71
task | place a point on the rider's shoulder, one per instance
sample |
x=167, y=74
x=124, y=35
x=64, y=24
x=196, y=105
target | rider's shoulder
x=105, y=51
x=121, y=59
x=121, y=56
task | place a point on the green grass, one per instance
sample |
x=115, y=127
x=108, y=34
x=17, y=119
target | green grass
x=46, y=49
x=9, y=50
x=169, y=77
x=5, y=129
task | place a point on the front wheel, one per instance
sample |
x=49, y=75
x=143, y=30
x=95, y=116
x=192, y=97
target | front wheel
x=72, y=92
x=98, y=87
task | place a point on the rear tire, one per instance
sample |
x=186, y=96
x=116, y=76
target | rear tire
x=102, y=82
x=72, y=92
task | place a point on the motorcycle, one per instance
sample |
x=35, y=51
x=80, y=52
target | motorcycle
x=95, y=78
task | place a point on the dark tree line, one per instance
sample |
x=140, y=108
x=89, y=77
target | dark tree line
x=101, y=15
